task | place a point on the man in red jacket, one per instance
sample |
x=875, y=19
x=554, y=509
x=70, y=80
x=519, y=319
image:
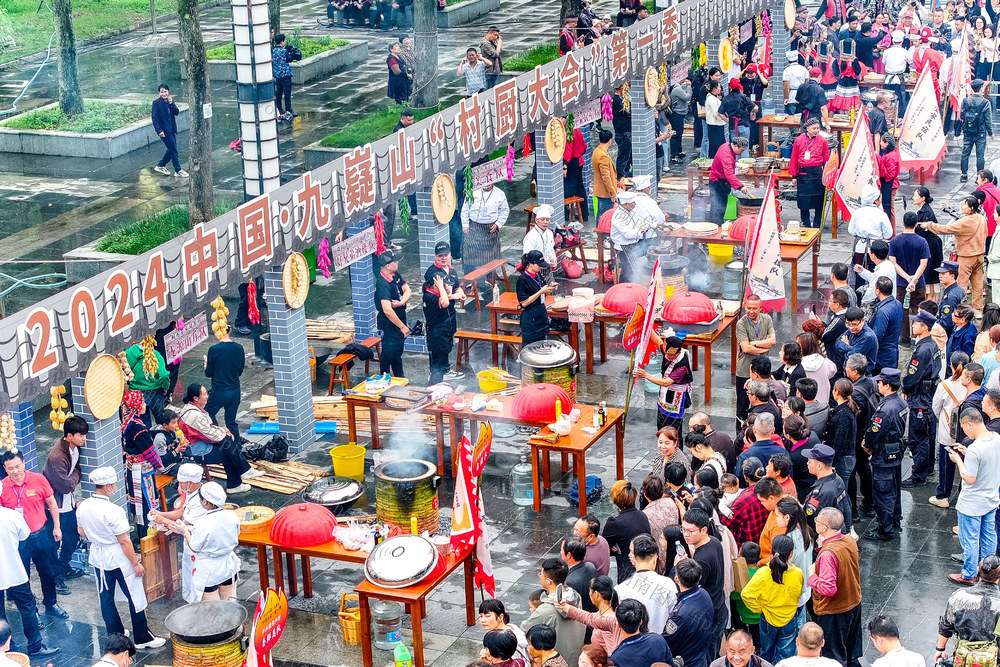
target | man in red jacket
x=984, y=184
x=722, y=177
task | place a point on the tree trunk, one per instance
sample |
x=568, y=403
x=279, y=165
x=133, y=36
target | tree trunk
x=568, y=8
x=274, y=16
x=201, y=201
x=70, y=100
x=425, y=51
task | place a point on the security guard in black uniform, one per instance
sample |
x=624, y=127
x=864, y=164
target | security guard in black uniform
x=951, y=295
x=391, y=295
x=828, y=490
x=884, y=442
x=441, y=290
x=918, y=383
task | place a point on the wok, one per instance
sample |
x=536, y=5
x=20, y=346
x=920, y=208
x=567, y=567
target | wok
x=206, y=622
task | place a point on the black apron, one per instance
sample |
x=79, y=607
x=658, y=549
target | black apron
x=534, y=318
x=810, y=190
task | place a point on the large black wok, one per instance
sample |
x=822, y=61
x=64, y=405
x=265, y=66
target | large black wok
x=206, y=622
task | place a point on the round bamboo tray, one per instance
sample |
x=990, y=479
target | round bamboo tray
x=555, y=140
x=19, y=658
x=443, y=198
x=260, y=525
x=726, y=53
x=104, y=386
x=295, y=280
x=651, y=86
x=789, y=11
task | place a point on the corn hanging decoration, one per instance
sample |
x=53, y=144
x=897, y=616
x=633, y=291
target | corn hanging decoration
x=59, y=404
x=150, y=365
x=702, y=56
x=219, y=322
x=664, y=77
x=626, y=102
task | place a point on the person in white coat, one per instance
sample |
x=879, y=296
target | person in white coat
x=213, y=539
x=645, y=199
x=118, y=652
x=540, y=237
x=868, y=223
x=188, y=510
x=631, y=227
x=14, y=584
x=105, y=525
x=482, y=219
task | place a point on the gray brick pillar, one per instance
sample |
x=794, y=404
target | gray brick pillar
x=24, y=435
x=103, y=447
x=549, y=180
x=643, y=133
x=588, y=168
x=363, y=288
x=292, y=381
x=429, y=230
x=781, y=43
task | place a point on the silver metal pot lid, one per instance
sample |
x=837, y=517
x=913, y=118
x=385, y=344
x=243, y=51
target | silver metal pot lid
x=547, y=354
x=401, y=561
x=333, y=491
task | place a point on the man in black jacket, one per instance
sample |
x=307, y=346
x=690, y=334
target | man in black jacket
x=621, y=120
x=164, y=114
x=835, y=328
x=866, y=397
x=581, y=572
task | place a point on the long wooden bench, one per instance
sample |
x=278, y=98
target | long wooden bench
x=339, y=364
x=467, y=339
x=485, y=270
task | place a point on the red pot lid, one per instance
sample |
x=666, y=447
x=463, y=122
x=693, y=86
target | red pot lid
x=688, y=308
x=303, y=525
x=739, y=229
x=537, y=402
x=624, y=297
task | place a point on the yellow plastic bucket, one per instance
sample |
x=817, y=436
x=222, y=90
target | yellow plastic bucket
x=348, y=461
x=488, y=383
x=720, y=254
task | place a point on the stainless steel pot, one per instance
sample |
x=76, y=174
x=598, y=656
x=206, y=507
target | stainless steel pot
x=551, y=361
x=206, y=622
x=337, y=494
x=401, y=561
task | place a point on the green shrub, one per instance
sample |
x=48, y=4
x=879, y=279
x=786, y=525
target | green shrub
x=97, y=117
x=524, y=62
x=146, y=233
x=309, y=47
x=371, y=128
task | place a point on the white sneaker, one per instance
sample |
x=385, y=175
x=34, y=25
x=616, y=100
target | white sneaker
x=242, y=488
x=453, y=375
x=939, y=502
x=253, y=473
x=161, y=170
x=181, y=174
x=155, y=642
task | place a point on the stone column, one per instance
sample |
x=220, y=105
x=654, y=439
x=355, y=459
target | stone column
x=363, y=288
x=429, y=231
x=643, y=133
x=290, y=351
x=103, y=447
x=24, y=435
x=781, y=43
x=588, y=168
x=549, y=180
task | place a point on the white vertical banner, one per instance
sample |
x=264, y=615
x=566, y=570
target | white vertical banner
x=859, y=168
x=921, y=137
x=764, y=275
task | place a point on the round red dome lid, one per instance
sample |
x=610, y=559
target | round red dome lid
x=623, y=298
x=537, y=402
x=688, y=308
x=739, y=229
x=303, y=525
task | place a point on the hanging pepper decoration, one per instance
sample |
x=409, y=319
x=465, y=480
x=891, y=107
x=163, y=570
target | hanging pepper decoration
x=253, y=312
x=569, y=127
x=323, y=257
x=379, y=227
x=695, y=59
x=526, y=146
x=469, y=181
x=606, y=112
x=626, y=102
x=510, y=163
x=404, y=215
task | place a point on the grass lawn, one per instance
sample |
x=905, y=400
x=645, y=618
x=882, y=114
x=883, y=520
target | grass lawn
x=90, y=19
x=525, y=62
x=309, y=48
x=371, y=128
x=145, y=234
x=97, y=117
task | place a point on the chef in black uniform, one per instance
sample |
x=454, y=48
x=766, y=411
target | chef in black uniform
x=531, y=291
x=884, y=442
x=919, y=382
x=391, y=295
x=441, y=291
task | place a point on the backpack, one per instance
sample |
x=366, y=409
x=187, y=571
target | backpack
x=972, y=117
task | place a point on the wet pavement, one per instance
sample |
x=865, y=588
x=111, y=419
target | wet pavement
x=43, y=216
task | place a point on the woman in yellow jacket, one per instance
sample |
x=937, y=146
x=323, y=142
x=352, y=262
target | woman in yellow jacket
x=773, y=592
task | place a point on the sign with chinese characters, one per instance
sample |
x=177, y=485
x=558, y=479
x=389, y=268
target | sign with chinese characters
x=360, y=245
x=58, y=337
x=764, y=275
x=269, y=621
x=180, y=341
x=746, y=31
x=490, y=172
x=859, y=168
x=680, y=71
x=921, y=138
x=588, y=113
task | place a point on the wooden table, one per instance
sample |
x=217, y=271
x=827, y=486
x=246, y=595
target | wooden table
x=792, y=123
x=375, y=403
x=911, y=84
x=790, y=253
x=706, y=343
x=508, y=306
x=415, y=598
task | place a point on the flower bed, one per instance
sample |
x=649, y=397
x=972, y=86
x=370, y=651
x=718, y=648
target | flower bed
x=527, y=61
x=98, y=117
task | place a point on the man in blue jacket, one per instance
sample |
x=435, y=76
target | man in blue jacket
x=638, y=649
x=165, y=125
x=688, y=629
x=859, y=339
x=886, y=324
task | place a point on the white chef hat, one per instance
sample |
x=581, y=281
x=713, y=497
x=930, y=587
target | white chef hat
x=214, y=493
x=642, y=182
x=544, y=211
x=102, y=476
x=626, y=197
x=791, y=56
x=189, y=472
x=869, y=194
x=897, y=36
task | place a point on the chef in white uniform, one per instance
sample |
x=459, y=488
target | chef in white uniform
x=14, y=584
x=213, y=539
x=188, y=511
x=118, y=652
x=645, y=200
x=869, y=222
x=119, y=571
x=631, y=228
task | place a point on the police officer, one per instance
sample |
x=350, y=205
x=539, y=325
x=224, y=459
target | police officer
x=829, y=489
x=441, y=291
x=391, y=295
x=866, y=397
x=884, y=443
x=918, y=384
x=951, y=295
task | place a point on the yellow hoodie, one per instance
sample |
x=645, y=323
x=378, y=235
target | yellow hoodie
x=777, y=602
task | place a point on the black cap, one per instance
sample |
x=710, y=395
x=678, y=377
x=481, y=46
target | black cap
x=388, y=257
x=924, y=318
x=442, y=248
x=888, y=375
x=535, y=257
x=822, y=453
x=948, y=267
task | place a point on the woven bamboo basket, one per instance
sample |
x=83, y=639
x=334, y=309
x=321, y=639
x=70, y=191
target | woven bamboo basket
x=295, y=280
x=104, y=386
x=19, y=658
x=443, y=198
x=555, y=140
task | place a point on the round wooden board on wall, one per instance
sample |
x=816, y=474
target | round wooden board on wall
x=443, y=198
x=789, y=14
x=651, y=86
x=295, y=280
x=104, y=386
x=555, y=140
x=725, y=54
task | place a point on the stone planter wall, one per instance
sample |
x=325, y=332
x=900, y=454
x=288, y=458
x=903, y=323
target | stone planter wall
x=465, y=12
x=104, y=146
x=308, y=69
x=96, y=262
x=317, y=155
